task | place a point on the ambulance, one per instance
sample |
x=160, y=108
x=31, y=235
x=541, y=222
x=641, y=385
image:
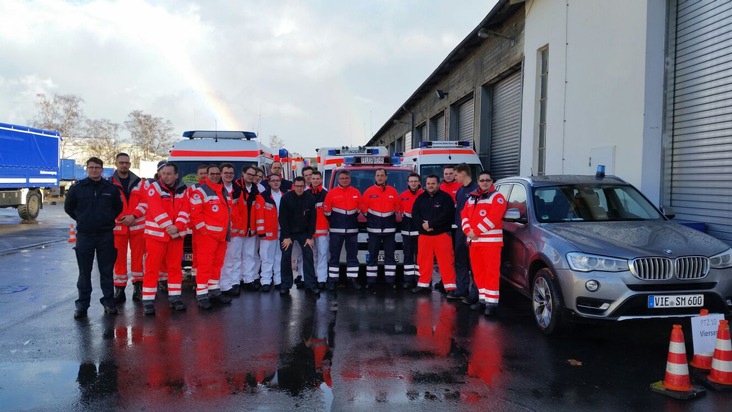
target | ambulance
x=209, y=147
x=331, y=157
x=215, y=147
x=430, y=157
x=362, y=164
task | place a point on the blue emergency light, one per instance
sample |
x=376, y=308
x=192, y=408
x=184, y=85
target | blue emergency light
x=396, y=160
x=349, y=160
x=283, y=153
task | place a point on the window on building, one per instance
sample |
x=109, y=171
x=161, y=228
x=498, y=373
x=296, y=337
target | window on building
x=543, y=79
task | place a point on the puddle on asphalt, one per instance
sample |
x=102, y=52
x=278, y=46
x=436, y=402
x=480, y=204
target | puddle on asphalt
x=42, y=385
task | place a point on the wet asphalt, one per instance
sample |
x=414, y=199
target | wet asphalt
x=349, y=351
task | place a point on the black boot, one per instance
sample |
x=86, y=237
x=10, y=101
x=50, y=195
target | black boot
x=137, y=291
x=148, y=309
x=218, y=297
x=177, y=304
x=119, y=294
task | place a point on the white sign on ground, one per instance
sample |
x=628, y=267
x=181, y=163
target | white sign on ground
x=704, y=332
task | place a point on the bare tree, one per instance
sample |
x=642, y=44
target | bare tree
x=275, y=142
x=102, y=139
x=63, y=113
x=152, y=136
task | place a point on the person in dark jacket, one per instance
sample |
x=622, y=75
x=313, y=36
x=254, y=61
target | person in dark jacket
x=463, y=276
x=297, y=224
x=434, y=212
x=94, y=203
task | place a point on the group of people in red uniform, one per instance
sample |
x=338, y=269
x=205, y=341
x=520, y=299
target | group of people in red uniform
x=246, y=233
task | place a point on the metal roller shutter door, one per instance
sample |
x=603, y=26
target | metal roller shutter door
x=465, y=121
x=700, y=158
x=440, y=124
x=506, y=127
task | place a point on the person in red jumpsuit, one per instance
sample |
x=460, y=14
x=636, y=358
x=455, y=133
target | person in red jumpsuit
x=129, y=227
x=211, y=217
x=434, y=211
x=166, y=224
x=449, y=184
x=482, y=223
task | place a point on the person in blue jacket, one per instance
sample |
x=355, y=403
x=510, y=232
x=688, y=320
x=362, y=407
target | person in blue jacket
x=94, y=203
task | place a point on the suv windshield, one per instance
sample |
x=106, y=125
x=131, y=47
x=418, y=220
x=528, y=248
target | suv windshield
x=362, y=179
x=592, y=203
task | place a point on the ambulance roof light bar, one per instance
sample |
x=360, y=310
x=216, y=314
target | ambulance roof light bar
x=220, y=134
x=345, y=150
x=377, y=160
x=444, y=143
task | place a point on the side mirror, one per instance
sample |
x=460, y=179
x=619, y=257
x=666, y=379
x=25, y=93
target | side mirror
x=513, y=215
x=668, y=212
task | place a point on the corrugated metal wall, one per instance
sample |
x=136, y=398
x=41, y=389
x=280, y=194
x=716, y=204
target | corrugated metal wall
x=465, y=121
x=506, y=127
x=440, y=127
x=699, y=161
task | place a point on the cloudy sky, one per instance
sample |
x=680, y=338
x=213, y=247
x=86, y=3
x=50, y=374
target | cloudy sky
x=313, y=72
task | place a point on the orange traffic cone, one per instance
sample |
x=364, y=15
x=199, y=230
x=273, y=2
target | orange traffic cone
x=720, y=377
x=702, y=360
x=677, y=383
x=72, y=234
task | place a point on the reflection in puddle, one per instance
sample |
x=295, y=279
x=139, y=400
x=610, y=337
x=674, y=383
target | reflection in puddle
x=60, y=380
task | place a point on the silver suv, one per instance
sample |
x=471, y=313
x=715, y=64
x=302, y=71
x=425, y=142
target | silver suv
x=596, y=248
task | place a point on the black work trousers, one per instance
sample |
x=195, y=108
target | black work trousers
x=311, y=281
x=102, y=245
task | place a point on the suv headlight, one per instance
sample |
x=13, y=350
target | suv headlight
x=583, y=262
x=722, y=260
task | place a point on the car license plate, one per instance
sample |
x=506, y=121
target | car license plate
x=188, y=257
x=675, y=301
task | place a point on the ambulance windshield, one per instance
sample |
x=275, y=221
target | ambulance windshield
x=187, y=170
x=426, y=170
x=364, y=178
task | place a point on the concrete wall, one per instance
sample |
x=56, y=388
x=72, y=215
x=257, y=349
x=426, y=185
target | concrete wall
x=605, y=87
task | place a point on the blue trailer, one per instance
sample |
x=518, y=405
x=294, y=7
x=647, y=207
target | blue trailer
x=29, y=163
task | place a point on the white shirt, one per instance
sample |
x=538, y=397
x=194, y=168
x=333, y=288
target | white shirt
x=277, y=196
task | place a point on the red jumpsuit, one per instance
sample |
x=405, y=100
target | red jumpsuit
x=483, y=215
x=211, y=218
x=194, y=240
x=451, y=188
x=165, y=207
x=129, y=235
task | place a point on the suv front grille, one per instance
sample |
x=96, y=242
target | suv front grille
x=656, y=268
x=660, y=268
x=691, y=267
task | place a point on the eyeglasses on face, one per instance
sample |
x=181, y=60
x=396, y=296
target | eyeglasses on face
x=298, y=186
x=94, y=167
x=214, y=174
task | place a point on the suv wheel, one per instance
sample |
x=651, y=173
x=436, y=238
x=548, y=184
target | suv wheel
x=546, y=303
